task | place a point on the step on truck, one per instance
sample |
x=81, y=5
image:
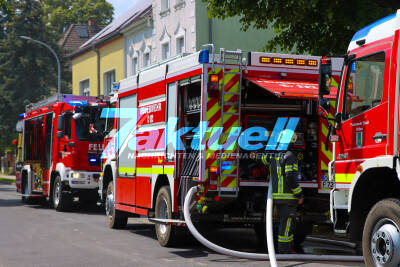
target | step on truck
x=206, y=119
x=365, y=168
x=60, y=140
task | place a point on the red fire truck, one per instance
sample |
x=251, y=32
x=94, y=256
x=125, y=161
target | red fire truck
x=60, y=140
x=365, y=201
x=204, y=119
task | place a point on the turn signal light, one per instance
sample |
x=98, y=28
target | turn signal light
x=214, y=78
x=214, y=169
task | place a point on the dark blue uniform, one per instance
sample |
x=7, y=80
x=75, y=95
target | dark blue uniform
x=283, y=169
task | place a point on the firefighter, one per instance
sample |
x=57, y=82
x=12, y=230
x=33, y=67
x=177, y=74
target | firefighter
x=286, y=192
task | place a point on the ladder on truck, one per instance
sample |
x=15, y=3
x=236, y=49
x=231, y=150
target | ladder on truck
x=231, y=64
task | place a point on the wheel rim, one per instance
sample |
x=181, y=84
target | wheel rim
x=109, y=204
x=162, y=214
x=385, y=243
x=57, y=193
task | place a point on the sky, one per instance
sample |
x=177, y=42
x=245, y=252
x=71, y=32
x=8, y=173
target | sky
x=121, y=5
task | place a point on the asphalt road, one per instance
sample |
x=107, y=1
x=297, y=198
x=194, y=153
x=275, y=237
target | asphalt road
x=34, y=235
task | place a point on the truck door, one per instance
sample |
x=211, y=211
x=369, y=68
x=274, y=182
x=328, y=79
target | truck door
x=126, y=144
x=364, y=128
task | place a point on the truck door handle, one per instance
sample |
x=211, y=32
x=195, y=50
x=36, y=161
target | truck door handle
x=379, y=136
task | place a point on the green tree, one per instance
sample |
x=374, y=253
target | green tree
x=27, y=71
x=60, y=14
x=318, y=27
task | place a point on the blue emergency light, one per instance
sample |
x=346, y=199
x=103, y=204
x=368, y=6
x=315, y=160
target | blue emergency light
x=94, y=161
x=78, y=103
x=21, y=116
x=354, y=67
x=204, y=56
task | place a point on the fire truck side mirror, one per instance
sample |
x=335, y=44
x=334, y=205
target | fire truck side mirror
x=60, y=134
x=60, y=123
x=325, y=75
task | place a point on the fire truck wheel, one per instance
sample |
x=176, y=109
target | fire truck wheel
x=381, y=235
x=115, y=219
x=163, y=210
x=61, y=201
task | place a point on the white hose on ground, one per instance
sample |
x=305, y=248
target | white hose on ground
x=255, y=256
x=270, y=232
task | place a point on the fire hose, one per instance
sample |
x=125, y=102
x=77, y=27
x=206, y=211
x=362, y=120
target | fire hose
x=270, y=242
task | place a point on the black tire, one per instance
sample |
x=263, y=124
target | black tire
x=62, y=201
x=115, y=218
x=166, y=234
x=384, y=215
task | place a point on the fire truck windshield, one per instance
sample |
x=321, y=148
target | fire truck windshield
x=89, y=128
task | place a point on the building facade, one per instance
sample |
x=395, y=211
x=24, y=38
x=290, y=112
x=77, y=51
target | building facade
x=150, y=32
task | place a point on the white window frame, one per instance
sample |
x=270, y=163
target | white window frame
x=82, y=90
x=134, y=65
x=164, y=5
x=147, y=55
x=107, y=92
x=167, y=52
x=177, y=38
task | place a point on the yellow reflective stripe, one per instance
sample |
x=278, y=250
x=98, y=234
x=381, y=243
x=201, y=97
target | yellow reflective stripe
x=297, y=190
x=264, y=159
x=287, y=227
x=344, y=177
x=169, y=171
x=126, y=169
x=285, y=239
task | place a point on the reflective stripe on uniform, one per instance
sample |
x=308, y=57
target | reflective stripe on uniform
x=283, y=196
x=290, y=168
x=285, y=239
x=264, y=159
x=297, y=190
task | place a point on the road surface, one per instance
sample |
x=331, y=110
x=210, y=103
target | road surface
x=34, y=235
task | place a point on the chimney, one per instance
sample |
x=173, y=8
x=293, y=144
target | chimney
x=91, y=23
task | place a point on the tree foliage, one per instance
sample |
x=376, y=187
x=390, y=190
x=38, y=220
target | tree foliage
x=318, y=27
x=60, y=14
x=28, y=71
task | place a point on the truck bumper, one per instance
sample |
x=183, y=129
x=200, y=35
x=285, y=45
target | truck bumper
x=83, y=180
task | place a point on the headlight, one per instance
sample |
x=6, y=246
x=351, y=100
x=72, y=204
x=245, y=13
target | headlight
x=76, y=175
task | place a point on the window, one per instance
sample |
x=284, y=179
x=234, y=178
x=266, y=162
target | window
x=126, y=142
x=165, y=51
x=84, y=87
x=146, y=59
x=364, y=85
x=67, y=125
x=164, y=5
x=135, y=65
x=180, y=45
x=109, y=79
x=171, y=115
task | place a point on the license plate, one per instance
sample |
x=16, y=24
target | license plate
x=325, y=183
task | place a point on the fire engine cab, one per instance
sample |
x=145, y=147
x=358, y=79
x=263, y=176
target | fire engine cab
x=206, y=119
x=365, y=168
x=60, y=140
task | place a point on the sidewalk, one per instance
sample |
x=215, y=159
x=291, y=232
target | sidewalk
x=7, y=178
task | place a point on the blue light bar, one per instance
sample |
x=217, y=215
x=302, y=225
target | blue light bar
x=21, y=116
x=204, y=56
x=77, y=103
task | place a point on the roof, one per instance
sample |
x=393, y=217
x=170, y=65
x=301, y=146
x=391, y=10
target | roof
x=137, y=12
x=378, y=30
x=78, y=34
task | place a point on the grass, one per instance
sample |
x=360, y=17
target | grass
x=8, y=180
